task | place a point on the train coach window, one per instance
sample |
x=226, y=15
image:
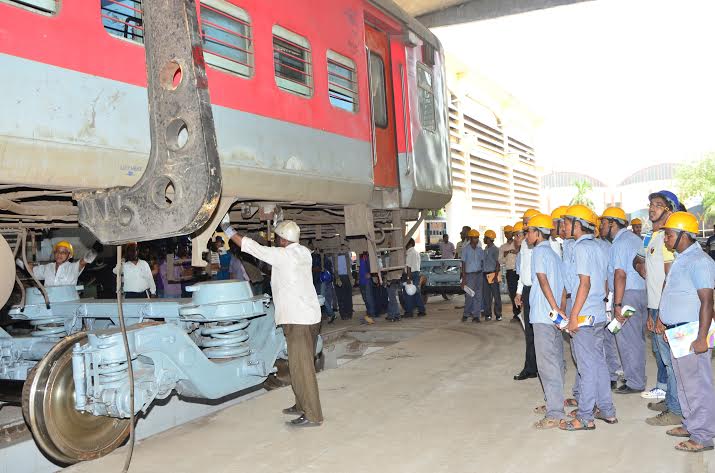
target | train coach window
x=123, y=18
x=291, y=60
x=41, y=6
x=342, y=82
x=426, y=98
x=377, y=90
x=226, y=36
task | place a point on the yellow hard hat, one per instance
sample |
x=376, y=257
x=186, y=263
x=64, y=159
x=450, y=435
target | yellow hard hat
x=508, y=229
x=541, y=221
x=530, y=213
x=519, y=227
x=64, y=244
x=684, y=221
x=559, y=212
x=490, y=234
x=615, y=213
x=473, y=234
x=636, y=221
x=581, y=212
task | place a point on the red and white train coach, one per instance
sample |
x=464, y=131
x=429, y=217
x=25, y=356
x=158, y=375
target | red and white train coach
x=317, y=105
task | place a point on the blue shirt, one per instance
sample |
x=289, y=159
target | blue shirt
x=491, y=257
x=626, y=245
x=569, y=273
x=605, y=247
x=364, y=271
x=692, y=269
x=587, y=261
x=343, y=265
x=473, y=259
x=544, y=260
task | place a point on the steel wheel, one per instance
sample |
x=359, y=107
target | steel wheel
x=64, y=434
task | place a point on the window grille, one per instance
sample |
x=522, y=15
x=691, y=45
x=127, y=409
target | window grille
x=226, y=37
x=292, y=62
x=342, y=82
x=426, y=97
x=123, y=18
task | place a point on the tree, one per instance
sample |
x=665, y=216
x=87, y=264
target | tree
x=583, y=187
x=698, y=180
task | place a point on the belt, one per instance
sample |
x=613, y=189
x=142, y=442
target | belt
x=668, y=327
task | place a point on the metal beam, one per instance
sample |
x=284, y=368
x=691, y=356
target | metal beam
x=475, y=10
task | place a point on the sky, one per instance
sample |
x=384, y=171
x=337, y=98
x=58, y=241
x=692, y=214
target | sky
x=619, y=84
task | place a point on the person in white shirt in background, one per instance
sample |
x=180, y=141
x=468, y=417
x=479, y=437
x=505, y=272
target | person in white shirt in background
x=62, y=272
x=137, y=279
x=413, y=262
x=297, y=310
x=507, y=260
x=464, y=241
x=446, y=247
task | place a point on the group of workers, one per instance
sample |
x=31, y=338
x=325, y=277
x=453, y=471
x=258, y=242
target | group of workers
x=583, y=270
x=481, y=275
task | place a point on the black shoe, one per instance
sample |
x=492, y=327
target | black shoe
x=624, y=389
x=614, y=385
x=421, y=314
x=522, y=376
x=407, y=315
x=303, y=422
x=498, y=318
x=331, y=319
x=292, y=410
x=464, y=319
x=476, y=320
x=488, y=317
x=515, y=319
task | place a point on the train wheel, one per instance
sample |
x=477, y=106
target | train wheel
x=63, y=433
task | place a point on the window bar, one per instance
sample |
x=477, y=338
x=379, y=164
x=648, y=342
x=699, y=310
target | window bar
x=297, y=58
x=352, y=91
x=230, y=59
x=305, y=73
x=225, y=30
x=224, y=14
x=223, y=43
x=303, y=84
x=123, y=5
x=280, y=38
x=117, y=20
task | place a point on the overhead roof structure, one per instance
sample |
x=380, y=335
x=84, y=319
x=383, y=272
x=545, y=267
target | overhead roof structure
x=434, y=13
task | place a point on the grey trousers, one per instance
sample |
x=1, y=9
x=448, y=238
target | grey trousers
x=594, y=384
x=613, y=359
x=549, y=346
x=696, y=396
x=631, y=340
x=473, y=305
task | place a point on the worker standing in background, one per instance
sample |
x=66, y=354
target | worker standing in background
x=530, y=369
x=297, y=310
x=472, y=268
x=637, y=227
x=507, y=260
x=62, y=272
x=344, y=286
x=446, y=247
x=366, y=288
x=137, y=278
x=413, y=262
x=688, y=297
x=491, y=277
x=464, y=235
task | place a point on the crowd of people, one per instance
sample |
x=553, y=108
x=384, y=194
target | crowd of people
x=588, y=280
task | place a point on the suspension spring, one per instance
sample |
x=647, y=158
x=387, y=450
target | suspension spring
x=225, y=339
x=51, y=327
x=111, y=372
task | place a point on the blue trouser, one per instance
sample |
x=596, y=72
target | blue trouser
x=695, y=390
x=671, y=393
x=368, y=298
x=473, y=305
x=662, y=377
x=326, y=290
x=631, y=340
x=613, y=360
x=595, y=384
x=549, y=345
x=393, y=301
x=415, y=300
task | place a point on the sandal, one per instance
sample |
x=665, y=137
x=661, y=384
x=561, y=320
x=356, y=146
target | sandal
x=572, y=414
x=576, y=424
x=692, y=446
x=546, y=423
x=540, y=409
x=608, y=420
x=678, y=432
x=570, y=402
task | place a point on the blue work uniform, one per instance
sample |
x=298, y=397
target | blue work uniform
x=473, y=262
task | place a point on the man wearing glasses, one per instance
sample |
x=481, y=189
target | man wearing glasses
x=62, y=272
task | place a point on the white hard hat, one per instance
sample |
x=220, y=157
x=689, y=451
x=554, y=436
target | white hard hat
x=410, y=289
x=288, y=230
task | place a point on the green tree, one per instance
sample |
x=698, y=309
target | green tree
x=698, y=180
x=583, y=187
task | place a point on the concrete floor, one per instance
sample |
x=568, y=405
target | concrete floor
x=441, y=401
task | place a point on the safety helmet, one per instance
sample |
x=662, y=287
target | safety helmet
x=490, y=234
x=581, y=212
x=473, y=234
x=636, y=221
x=615, y=213
x=325, y=276
x=541, y=221
x=558, y=212
x=519, y=227
x=670, y=198
x=683, y=221
x=288, y=230
x=530, y=213
x=508, y=229
x=410, y=289
x=64, y=244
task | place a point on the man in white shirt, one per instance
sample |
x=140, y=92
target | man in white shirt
x=446, y=247
x=297, y=310
x=507, y=260
x=62, y=272
x=413, y=262
x=522, y=300
x=137, y=278
x=464, y=241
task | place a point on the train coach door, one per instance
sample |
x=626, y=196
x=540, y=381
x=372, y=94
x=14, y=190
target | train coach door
x=382, y=111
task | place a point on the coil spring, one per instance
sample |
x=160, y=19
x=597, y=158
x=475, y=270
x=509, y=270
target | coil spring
x=111, y=372
x=51, y=328
x=225, y=340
